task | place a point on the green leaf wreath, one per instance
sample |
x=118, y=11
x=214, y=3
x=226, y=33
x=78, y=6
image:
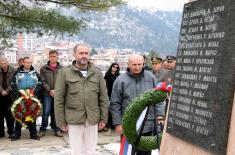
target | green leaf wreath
x=131, y=115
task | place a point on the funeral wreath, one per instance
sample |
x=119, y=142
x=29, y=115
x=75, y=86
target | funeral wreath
x=134, y=110
x=26, y=108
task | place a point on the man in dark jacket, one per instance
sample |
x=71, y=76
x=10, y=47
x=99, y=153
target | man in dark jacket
x=48, y=74
x=6, y=74
x=26, y=78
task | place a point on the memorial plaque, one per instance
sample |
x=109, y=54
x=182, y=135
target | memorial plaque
x=204, y=79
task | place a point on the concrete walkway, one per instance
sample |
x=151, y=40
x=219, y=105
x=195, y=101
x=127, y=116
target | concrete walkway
x=108, y=144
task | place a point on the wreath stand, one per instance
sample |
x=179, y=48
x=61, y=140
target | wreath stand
x=155, y=129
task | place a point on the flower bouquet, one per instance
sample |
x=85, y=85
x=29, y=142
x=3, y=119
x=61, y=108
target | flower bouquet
x=26, y=108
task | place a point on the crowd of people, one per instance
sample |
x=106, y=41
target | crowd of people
x=78, y=98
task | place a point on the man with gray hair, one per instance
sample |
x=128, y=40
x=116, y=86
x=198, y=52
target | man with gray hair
x=81, y=102
x=128, y=86
x=6, y=74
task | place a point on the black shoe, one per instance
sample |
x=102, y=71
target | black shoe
x=10, y=136
x=58, y=134
x=35, y=137
x=42, y=134
x=52, y=126
x=100, y=130
x=1, y=136
x=106, y=128
x=15, y=137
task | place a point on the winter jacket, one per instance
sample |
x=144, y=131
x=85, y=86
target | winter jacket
x=162, y=75
x=110, y=78
x=127, y=87
x=79, y=99
x=11, y=71
x=168, y=75
x=26, y=80
x=48, y=77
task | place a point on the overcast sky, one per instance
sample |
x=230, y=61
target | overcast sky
x=166, y=5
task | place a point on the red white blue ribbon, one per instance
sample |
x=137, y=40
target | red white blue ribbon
x=163, y=86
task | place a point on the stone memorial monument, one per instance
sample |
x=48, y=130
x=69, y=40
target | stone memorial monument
x=199, y=115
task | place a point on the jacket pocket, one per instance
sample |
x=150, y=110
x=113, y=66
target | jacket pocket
x=73, y=93
x=93, y=115
x=74, y=116
x=93, y=85
x=74, y=85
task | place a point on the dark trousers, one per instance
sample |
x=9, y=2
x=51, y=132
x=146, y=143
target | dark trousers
x=139, y=152
x=110, y=121
x=32, y=128
x=5, y=113
x=53, y=123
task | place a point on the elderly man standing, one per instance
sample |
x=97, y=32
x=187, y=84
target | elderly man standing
x=26, y=78
x=81, y=102
x=6, y=74
x=128, y=86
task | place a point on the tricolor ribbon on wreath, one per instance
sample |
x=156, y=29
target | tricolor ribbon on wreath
x=26, y=108
x=157, y=94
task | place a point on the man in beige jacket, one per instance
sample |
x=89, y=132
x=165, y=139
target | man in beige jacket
x=81, y=102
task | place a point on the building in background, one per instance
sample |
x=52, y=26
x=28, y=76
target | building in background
x=9, y=52
x=38, y=47
x=25, y=44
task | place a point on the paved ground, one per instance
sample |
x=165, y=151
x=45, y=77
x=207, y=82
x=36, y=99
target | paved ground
x=108, y=144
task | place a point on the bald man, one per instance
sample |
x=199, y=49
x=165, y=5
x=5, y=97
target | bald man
x=128, y=86
x=6, y=74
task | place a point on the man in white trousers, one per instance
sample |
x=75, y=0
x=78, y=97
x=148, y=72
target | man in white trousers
x=81, y=102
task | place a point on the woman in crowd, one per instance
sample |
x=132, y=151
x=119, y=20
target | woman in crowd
x=110, y=77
